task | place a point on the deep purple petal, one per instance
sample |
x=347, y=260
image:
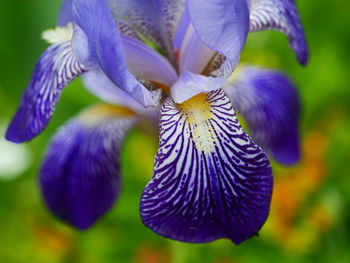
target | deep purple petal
x=66, y=15
x=222, y=25
x=155, y=20
x=210, y=180
x=56, y=68
x=280, y=15
x=97, y=43
x=270, y=104
x=80, y=176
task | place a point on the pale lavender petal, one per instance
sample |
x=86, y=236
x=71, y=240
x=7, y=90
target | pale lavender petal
x=56, y=68
x=66, y=14
x=190, y=84
x=270, y=104
x=80, y=176
x=155, y=20
x=146, y=63
x=101, y=86
x=280, y=15
x=222, y=25
x=97, y=43
x=210, y=179
x=105, y=89
x=194, y=55
x=181, y=29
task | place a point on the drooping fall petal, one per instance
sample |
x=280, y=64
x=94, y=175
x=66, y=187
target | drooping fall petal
x=283, y=16
x=210, y=179
x=56, y=68
x=80, y=176
x=270, y=104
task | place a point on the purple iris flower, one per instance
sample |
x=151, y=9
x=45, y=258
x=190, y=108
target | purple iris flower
x=211, y=179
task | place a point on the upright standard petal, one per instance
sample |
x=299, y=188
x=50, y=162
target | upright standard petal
x=194, y=54
x=98, y=44
x=146, y=63
x=154, y=20
x=80, y=176
x=280, y=15
x=66, y=14
x=181, y=29
x=56, y=68
x=210, y=179
x=270, y=104
x=222, y=25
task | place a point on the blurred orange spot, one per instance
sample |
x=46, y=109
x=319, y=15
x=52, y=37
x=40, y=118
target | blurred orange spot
x=52, y=241
x=292, y=189
x=320, y=218
x=150, y=254
x=99, y=112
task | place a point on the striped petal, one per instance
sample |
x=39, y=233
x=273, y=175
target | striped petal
x=210, y=179
x=56, y=68
x=222, y=25
x=270, y=104
x=280, y=15
x=98, y=44
x=80, y=176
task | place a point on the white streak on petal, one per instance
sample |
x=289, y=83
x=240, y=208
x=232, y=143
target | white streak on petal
x=189, y=85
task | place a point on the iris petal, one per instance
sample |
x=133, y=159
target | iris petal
x=194, y=55
x=280, y=15
x=210, y=179
x=66, y=14
x=222, y=25
x=155, y=20
x=190, y=84
x=97, y=43
x=181, y=29
x=101, y=86
x=80, y=176
x=146, y=63
x=56, y=68
x=270, y=104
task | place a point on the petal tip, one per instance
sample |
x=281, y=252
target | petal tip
x=303, y=58
x=289, y=158
x=17, y=135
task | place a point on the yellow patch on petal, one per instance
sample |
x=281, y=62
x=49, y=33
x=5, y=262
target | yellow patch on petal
x=58, y=35
x=198, y=113
x=104, y=111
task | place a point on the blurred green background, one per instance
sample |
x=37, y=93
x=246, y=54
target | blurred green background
x=310, y=217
